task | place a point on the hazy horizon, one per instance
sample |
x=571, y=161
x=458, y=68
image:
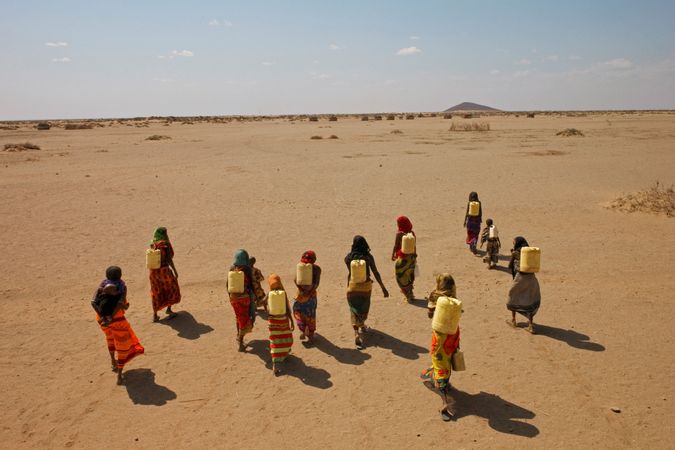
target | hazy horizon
x=76, y=59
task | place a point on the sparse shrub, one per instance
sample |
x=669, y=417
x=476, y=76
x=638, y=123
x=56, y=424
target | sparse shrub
x=378, y=117
x=332, y=136
x=313, y=119
x=21, y=147
x=410, y=117
x=447, y=116
x=467, y=116
x=316, y=137
x=391, y=117
x=157, y=137
x=43, y=126
x=473, y=126
x=78, y=126
x=657, y=199
x=530, y=115
x=396, y=131
x=569, y=132
x=332, y=119
x=364, y=118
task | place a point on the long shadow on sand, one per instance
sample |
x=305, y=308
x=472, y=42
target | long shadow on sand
x=502, y=416
x=419, y=302
x=142, y=389
x=292, y=366
x=407, y=350
x=186, y=325
x=570, y=337
x=342, y=355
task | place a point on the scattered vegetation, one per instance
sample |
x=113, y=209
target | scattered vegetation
x=364, y=118
x=78, y=126
x=397, y=131
x=391, y=117
x=378, y=117
x=658, y=199
x=43, y=126
x=332, y=119
x=157, y=137
x=410, y=117
x=9, y=127
x=467, y=116
x=21, y=147
x=473, y=126
x=569, y=132
x=313, y=119
x=447, y=116
x=530, y=115
x=332, y=136
x=316, y=137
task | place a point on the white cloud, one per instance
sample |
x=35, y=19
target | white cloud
x=408, y=51
x=268, y=63
x=186, y=53
x=415, y=38
x=218, y=23
x=617, y=64
x=495, y=72
x=521, y=73
x=56, y=44
x=551, y=58
x=335, y=47
x=524, y=62
x=61, y=60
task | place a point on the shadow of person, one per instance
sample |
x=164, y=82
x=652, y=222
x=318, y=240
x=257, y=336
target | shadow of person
x=571, y=337
x=142, y=389
x=407, y=350
x=502, y=416
x=504, y=257
x=419, y=302
x=292, y=366
x=502, y=269
x=342, y=355
x=187, y=326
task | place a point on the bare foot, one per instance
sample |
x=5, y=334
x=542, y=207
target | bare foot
x=120, y=377
x=113, y=366
x=242, y=347
x=155, y=318
x=358, y=341
x=530, y=328
x=302, y=336
x=511, y=323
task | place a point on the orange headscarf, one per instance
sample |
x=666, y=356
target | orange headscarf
x=275, y=282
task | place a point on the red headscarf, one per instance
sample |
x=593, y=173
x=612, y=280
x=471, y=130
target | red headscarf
x=404, y=225
x=309, y=257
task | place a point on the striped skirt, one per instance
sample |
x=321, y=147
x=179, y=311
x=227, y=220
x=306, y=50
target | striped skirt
x=121, y=339
x=281, y=338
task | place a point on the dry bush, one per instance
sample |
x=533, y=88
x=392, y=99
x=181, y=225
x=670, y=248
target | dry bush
x=467, y=116
x=378, y=117
x=447, y=116
x=157, y=137
x=530, y=115
x=9, y=127
x=78, y=126
x=473, y=126
x=658, y=199
x=21, y=147
x=569, y=132
x=332, y=119
x=43, y=126
x=313, y=119
x=433, y=115
x=391, y=117
x=364, y=118
x=332, y=136
x=316, y=137
x=410, y=117
x=396, y=131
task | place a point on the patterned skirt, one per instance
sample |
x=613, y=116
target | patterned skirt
x=305, y=316
x=281, y=338
x=405, y=272
x=358, y=297
x=164, y=288
x=121, y=339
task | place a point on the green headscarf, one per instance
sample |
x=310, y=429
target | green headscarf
x=241, y=258
x=160, y=235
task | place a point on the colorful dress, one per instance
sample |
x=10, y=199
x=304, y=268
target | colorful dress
x=281, y=337
x=121, y=339
x=358, y=298
x=244, y=304
x=304, y=307
x=442, y=348
x=164, y=288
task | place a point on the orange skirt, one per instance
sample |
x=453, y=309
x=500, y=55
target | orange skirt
x=121, y=339
x=164, y=288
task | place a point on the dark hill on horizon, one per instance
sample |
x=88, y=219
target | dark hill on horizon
x=468, y=106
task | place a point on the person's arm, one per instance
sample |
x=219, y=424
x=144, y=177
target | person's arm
x=466, y=215
x=316, y=277
x=173, y=267
x=397, y=246
x=376, y=274
x=289, y=314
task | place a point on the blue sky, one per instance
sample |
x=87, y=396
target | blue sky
x=72, y=59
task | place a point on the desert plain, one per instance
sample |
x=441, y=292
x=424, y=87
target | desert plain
x=598, y=373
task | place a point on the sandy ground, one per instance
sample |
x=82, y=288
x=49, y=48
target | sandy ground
x=91, y=198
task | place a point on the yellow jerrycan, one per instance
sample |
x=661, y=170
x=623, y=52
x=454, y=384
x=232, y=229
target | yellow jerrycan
x=276, y=303
x=408, y=244
x=358, y=271
x=530, y=259
x=235, y=282
x=474, y=209
x=303, y=274
x=153, y=258
x=446, y=316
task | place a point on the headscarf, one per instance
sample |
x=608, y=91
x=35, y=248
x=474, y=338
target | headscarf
x=519, y=243
x=309, y=257
x=275, y=282
x=241, y=258
x=445, y=285
x=473, y=197
x=404, y=224
x=488, y=222
x=160, y=235
x=113, y=273
x=360, y=249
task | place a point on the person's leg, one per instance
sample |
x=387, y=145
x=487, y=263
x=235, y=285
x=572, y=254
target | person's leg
x=113, y=362
x=120, y=378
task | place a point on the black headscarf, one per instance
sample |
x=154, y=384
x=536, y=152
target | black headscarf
x=519, y=242
x=473, y=197
x=360, y=249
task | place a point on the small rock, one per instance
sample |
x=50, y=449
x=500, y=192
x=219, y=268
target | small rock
x=615, y=409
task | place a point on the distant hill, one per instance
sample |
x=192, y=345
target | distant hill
x=468, y=106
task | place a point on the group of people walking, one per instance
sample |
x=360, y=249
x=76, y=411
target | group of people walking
x=246, y=294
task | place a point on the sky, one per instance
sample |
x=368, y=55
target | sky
x=89, y=59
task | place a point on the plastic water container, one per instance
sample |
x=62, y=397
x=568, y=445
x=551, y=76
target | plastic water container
x=447, y=314
x=474, y=209
x=493, y=233
x=235, y=282
x=408, y=244
x=303, y=274
x=358, y=271
x=530, y=259
x=153, y=259
x=276, y=303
